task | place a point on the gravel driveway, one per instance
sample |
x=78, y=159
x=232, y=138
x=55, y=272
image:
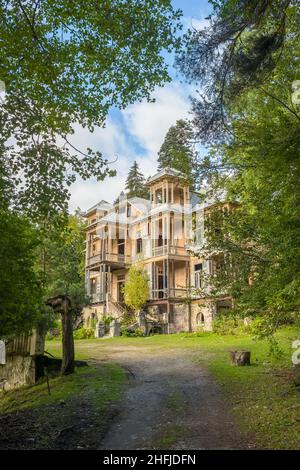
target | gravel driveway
x=171, y=403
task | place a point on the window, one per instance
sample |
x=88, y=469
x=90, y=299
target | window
x=158, y=196
x=200, y=320
x=93, y=286
x=121, y=246
x=198, y=275
x=139, y=245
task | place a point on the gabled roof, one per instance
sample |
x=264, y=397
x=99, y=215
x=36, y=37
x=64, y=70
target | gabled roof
x=101, y=205
x=165, y=172
x=143, y=205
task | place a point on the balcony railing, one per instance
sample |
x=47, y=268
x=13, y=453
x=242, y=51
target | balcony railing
x=169, y=250
x=96, y=298
x=174, y=293
x=111, y=257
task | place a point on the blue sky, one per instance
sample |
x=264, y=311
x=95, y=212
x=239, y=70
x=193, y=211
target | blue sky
x=137, y=132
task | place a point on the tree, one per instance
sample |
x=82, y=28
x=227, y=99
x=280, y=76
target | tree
x=177, y=149
x=241, y=46
x=64, y=280
x=62, y=304
x=136, y=288
x=135, y=183
x=20, y=286
x=254, y=155
x=67, y=64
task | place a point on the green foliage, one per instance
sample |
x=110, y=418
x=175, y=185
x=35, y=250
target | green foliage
x=55, y=330
x=131, y=333
x=20, y=286
x=107, y=319
x=84, y=333
x=229, y=324
x=136, y=288
x=252, y=124
x=77, y=61
x=62, y=262
x=177, y=149
x=135, y=183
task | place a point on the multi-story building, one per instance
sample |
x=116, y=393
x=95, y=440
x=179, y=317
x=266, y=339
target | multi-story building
x=162, y=233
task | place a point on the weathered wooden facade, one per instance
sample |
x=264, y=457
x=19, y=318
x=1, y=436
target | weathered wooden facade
x=161, y=233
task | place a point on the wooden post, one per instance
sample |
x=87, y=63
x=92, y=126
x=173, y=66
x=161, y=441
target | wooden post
x=168, y=277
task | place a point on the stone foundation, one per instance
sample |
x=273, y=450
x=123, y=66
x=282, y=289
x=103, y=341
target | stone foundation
x=91, y=315
x=17, y=372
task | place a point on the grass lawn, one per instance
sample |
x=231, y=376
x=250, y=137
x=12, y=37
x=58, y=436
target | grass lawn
x=101, y=384
x=263, y=397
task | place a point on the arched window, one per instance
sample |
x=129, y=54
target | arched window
x=200, y=320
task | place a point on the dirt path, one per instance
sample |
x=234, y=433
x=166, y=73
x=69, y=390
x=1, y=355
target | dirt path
x=171, y=403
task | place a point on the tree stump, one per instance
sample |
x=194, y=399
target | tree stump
x=240, y=358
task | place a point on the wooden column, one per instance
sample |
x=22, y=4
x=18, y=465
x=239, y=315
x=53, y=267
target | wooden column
x=168, y=277
x=164, y=276
x=186, y=274
x=87, y=282
x=173, y=275
x=109, y=280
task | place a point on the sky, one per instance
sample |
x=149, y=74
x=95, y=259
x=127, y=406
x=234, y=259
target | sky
x=137, y=132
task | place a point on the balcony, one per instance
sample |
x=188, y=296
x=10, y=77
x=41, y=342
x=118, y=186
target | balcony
x=95, y=298
x=169, y=250
x=116, y=258
x=172, y=293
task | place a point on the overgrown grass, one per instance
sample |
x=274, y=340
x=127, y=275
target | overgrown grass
x=100, y=384
x=263, y=398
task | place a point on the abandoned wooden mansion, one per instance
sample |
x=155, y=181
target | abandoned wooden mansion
x=163, y=234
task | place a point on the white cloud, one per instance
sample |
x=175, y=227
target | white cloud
x=149, y=122
x=144, y=126
x=111, y=141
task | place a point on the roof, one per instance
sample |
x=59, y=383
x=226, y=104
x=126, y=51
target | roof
x=165, y=172
x=143, y=205
x=101, y=205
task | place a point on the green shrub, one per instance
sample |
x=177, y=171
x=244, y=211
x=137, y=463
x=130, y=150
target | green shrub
x=107, y=319
x=134, y=333
x=84, y=333
x=229, y=324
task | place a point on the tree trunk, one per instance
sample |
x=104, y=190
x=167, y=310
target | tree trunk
x=68, y=364
x=240, y=358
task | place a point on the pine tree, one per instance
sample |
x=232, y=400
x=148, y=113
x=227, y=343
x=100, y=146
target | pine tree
x=177, y=150
x=135, y=183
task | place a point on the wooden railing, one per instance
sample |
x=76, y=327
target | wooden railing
x=97, y=298
x=169, y=250
x=112, y=257
x=26, y=344
x=176, y=293
x=114, y=307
